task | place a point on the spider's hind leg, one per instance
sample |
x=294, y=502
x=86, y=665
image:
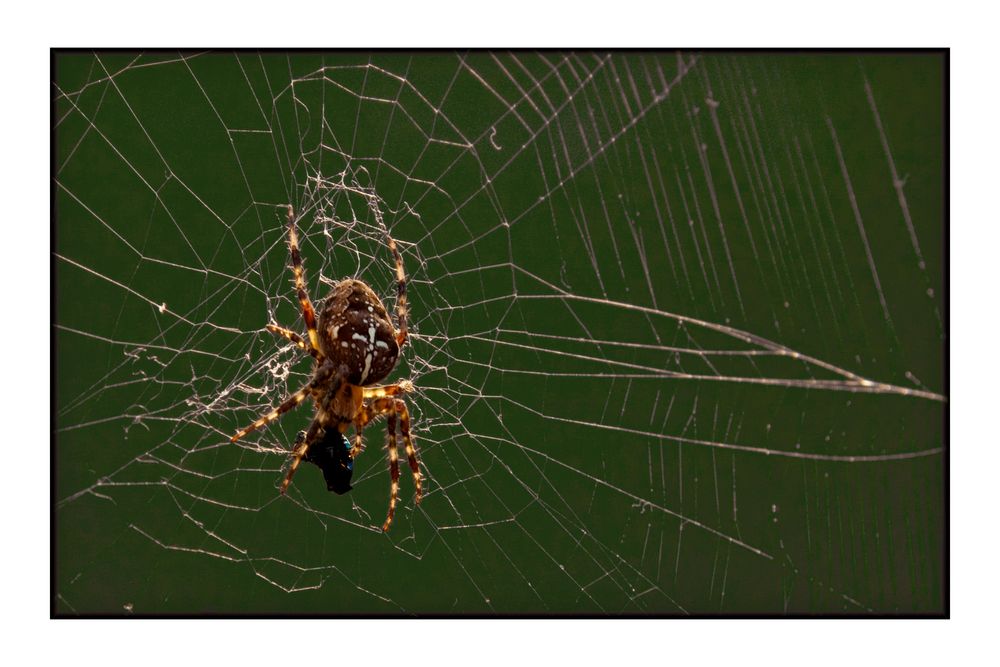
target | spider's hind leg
x=295, y=338
x=402, y=308
x=308, y=312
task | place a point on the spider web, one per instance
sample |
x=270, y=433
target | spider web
x=676, y=331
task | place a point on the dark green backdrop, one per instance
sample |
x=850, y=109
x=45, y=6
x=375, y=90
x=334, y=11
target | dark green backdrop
x=678, y=344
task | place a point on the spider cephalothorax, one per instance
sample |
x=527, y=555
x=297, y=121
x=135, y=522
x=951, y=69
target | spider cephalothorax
x=355, y=346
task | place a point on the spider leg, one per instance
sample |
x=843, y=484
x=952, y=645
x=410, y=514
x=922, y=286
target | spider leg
x=308, y=312
x=364, y=416
x=294, y=337
x=390, y=430
x=359, y=445
x=291, y=402
x=402, y=387
x=321, y=421
x=302, y=446
x=411, y=452
x=393, y=408
x=402, y=309
x=322, y=375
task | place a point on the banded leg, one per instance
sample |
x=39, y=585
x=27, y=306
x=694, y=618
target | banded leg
x=301, y=447
x=402, y=309
x=308, y=312
x=366, y=414
x=294, y=337
x=393, y=407
x=359, y=445
x=402, y=387
x=319, y=422
x=411, y=452
x=323, y=374
x=291, y=402
x=393, y=470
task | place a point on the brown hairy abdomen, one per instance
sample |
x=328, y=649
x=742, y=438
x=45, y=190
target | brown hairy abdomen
x=355, y=330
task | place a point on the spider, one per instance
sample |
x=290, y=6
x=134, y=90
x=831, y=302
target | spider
x=354, y=347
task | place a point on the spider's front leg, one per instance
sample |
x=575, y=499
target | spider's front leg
x=401, y=387
x=359, y=444
x=398, y=389
x=291, y=402
x=394, y=408
x=323, y=419
x=322, y=376
x=301, y=449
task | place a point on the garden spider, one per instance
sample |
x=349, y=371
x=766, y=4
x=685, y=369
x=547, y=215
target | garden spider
x=354, y=346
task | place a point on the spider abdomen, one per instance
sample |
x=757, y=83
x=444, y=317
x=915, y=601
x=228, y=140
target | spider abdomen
x=355, y=330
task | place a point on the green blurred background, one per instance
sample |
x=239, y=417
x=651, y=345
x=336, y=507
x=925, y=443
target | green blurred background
x=587, y=236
